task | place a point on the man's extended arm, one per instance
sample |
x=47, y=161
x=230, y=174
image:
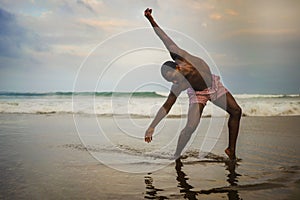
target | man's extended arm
x=168, y=42
x=176, y=52
x=162, y=112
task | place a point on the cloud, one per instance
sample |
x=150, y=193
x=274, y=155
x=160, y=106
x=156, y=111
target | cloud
x=104, y=23
x=58, y=34
x=86, y=5
x=16, y=40
x=231, y=12
x=9, y=41
x=215, y=16
x=200, y=5
x=262, y=32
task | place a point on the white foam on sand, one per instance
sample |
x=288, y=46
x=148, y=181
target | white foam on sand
x=142, y=106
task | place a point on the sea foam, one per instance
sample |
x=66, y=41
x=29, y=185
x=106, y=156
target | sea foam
x=139, y=104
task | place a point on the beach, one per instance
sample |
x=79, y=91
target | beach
x=42, y=156
x=102, y=99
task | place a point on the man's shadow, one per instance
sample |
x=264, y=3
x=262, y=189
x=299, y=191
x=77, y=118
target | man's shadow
x=232, y=180
x=186, y=188
x=151, y=190
x=182, y=182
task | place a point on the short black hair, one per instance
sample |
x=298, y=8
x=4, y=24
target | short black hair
x=167, y=66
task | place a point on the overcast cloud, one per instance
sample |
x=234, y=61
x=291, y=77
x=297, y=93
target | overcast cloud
x=255, y=44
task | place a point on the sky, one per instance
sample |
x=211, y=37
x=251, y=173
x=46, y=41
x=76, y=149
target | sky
x=108, y=45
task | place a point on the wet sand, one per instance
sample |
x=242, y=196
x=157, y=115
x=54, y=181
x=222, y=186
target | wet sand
x=41, y=157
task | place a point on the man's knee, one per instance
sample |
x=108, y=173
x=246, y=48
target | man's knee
x=189, y=129
x=236, y=112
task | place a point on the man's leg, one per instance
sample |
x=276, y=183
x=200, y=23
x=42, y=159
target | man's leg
x=194, y=114
x=228, y=103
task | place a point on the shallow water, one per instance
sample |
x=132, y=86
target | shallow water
x=42, y=157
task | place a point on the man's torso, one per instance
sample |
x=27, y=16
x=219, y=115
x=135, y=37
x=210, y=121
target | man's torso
x=196, y=78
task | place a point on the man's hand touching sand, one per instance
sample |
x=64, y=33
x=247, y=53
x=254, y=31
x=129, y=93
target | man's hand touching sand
x=148, y=134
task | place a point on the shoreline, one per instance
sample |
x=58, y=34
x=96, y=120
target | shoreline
x=134, y=116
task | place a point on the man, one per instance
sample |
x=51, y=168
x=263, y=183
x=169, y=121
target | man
x=191, y=73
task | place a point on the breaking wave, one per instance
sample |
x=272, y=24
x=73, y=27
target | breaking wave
x=138, y=104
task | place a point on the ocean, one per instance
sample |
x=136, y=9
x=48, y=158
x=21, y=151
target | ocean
x=138, y=104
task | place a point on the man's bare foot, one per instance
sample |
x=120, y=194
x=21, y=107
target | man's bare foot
x=230, y=154
x=176, y=157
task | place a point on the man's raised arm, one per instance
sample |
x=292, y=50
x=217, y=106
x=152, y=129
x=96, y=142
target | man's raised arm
x=168, y=42
x=176, y=52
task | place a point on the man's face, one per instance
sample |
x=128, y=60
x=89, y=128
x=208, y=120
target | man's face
x=174, y=76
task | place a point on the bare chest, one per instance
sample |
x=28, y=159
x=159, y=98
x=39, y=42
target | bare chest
x=198, y=81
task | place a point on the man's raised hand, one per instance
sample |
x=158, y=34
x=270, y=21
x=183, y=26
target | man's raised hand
x=147, y=13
